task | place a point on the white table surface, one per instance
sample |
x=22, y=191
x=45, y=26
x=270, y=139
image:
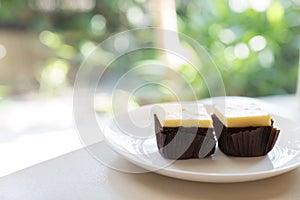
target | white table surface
x=77, y=175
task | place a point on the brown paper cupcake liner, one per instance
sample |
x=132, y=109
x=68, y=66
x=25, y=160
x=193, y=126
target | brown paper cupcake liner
x=179, y=143
x=245, y=142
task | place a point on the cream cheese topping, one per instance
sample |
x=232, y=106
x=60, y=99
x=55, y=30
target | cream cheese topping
x=242, y=115
x=187, y=115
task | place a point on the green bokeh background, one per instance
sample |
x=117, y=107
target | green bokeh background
x=70, y=33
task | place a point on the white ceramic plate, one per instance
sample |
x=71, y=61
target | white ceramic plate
x=132, y=136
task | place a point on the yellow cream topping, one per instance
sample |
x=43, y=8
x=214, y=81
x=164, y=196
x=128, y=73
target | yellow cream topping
x=187, y=115
x=242, y=115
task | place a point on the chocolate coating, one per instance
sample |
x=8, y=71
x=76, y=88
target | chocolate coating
x=245, y=141
x=179, y=143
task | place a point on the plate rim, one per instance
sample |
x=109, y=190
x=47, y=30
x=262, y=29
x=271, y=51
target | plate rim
x=207, y=176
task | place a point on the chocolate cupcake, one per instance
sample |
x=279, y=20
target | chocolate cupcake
x=244, y=130
x=184, y=131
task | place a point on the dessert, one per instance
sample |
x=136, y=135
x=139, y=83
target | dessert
x=184, y=131
x=244, y=129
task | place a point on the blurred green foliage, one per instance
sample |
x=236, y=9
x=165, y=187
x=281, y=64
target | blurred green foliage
x=256, y=48
x=267, y=70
